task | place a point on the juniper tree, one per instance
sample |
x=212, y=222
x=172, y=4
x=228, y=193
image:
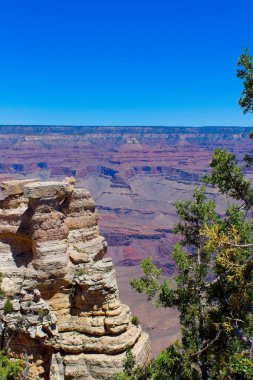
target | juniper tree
x=231, y=241
x=189, y=295
x=213, y=288
x=213, y=291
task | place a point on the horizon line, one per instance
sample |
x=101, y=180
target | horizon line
x=124, y=126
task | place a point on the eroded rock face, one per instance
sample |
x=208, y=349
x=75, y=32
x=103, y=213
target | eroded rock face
x=66, y=316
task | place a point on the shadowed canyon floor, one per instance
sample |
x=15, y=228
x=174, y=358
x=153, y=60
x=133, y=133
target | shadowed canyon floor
x=135, y=175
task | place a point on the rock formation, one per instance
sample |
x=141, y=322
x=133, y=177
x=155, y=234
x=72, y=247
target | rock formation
x=65, y=317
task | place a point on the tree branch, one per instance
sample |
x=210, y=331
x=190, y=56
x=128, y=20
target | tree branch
x=27, y=368
x=239, y=245
x=208, y=345
x=212, y=282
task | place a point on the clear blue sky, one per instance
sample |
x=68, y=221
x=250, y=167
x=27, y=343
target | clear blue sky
x=122, y=62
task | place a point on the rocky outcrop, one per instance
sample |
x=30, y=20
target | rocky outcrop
x=63, y=315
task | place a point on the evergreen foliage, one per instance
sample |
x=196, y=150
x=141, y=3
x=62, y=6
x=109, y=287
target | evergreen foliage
x=130, y=371
x=10, y=369
x=129, y=362
x=189, y=359
x=8, y=307
x=245, y=72
x=135, y=320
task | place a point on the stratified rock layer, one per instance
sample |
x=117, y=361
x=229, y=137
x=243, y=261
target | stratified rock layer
x=67, y=319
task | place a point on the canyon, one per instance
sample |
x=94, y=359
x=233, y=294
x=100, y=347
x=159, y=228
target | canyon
x=135, y=175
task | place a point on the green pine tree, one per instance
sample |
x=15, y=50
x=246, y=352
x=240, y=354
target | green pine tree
x=189, y=296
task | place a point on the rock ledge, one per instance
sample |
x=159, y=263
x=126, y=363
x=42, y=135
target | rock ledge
x=66, y=316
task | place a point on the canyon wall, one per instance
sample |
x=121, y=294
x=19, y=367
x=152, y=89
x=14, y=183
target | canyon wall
x=66, y=319
x=135, y=175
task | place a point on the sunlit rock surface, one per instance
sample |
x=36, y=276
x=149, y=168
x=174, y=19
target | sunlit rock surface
x=67, y=319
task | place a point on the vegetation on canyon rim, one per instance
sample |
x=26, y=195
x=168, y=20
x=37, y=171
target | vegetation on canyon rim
x=214, y=280
x=10, y=369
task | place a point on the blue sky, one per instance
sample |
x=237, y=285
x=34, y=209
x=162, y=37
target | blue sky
x=123, y=62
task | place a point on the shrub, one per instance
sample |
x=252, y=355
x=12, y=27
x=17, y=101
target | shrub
x=9, y=369
x=121, y=376
x=80, y=272
x=8, y=306
x=129, y=362
x=135, y=320
x=41, y=314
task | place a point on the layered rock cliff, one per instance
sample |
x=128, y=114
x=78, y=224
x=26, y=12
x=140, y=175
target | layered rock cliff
x=65, y=318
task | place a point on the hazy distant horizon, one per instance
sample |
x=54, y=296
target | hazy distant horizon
x=124, y=126
x=128, y=125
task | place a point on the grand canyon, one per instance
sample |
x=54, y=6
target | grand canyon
x=135, y=175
